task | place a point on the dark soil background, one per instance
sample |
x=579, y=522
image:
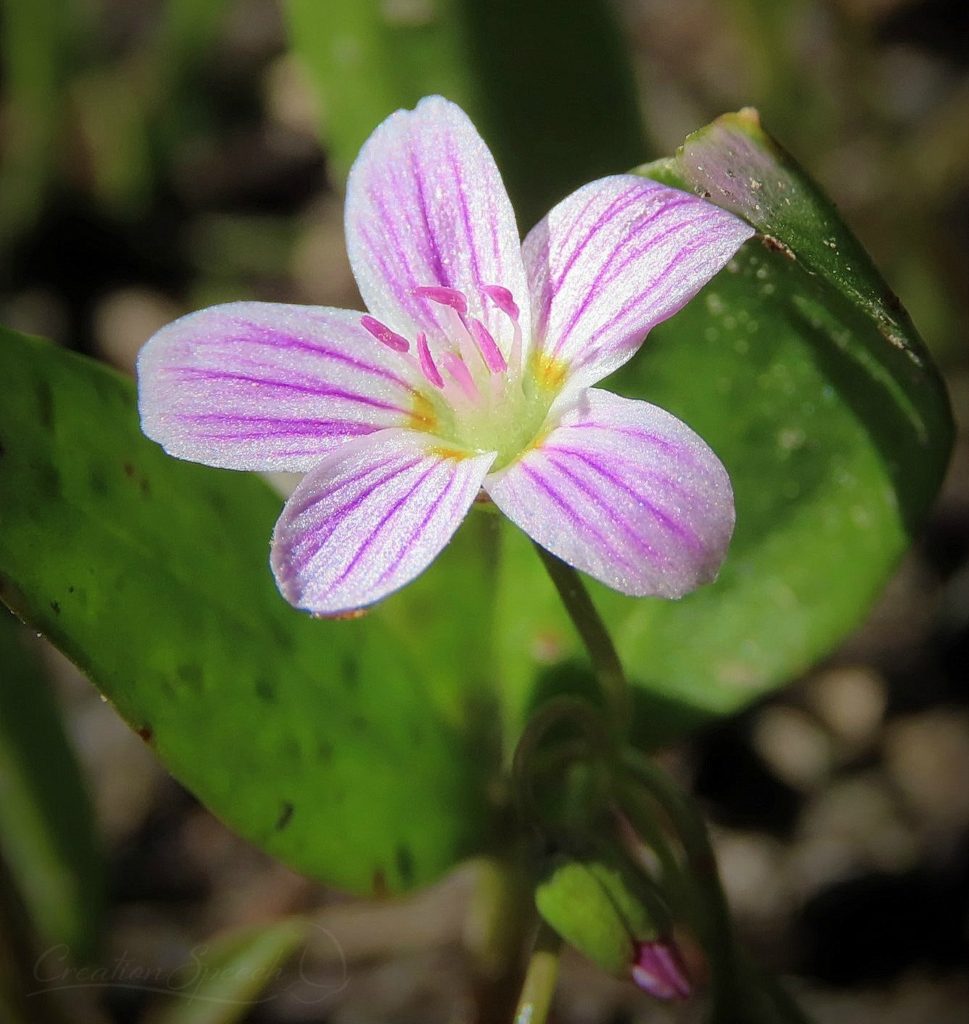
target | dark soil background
x=155, y=181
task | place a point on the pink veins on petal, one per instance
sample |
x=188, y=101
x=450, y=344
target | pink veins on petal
x=471, y=371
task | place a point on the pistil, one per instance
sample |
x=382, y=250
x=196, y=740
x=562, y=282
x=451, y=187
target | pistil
x=461, y=375
x=482, y=398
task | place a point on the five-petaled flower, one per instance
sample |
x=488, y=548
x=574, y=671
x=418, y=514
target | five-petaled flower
x=472, y=371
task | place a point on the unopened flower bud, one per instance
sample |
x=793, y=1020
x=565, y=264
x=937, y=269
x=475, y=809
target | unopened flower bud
x=659, y=970
x=601, y=908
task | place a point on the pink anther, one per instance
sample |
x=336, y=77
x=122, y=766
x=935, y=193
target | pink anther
x=502, y=298
x=487, y=346
x=384, y=334
x=444, y=297
x=428, y=368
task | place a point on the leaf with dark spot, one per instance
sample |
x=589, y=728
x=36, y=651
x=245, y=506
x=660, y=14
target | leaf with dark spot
x=378, y=884
x=405, y=865
x=265, y=689
x=285, y=816
x=174, y=614
x=191, y=675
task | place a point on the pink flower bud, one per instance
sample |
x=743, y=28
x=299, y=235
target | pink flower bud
x=659, y=970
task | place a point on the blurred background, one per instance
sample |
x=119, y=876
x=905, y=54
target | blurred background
x=157, y=157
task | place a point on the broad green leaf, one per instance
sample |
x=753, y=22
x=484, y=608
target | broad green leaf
x=224, y=981
x=804, y=373
x=536, y=76
x=47, y=833
x=351, y=750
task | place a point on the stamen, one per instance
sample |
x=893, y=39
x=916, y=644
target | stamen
x=428, y=368
x=487, y=346
x=444, y=297
x=455, y=366
x=384, y=334
x=503, y=299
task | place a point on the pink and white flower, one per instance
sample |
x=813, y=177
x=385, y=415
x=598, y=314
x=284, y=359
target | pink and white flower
x=472, y=371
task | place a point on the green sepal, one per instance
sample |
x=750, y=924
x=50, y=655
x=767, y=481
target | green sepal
x=600, y=907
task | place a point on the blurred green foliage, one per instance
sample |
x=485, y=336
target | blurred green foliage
x=225, y=980
x=47, y=834
x=534, y=77
x=85, y=111
x=139, y=113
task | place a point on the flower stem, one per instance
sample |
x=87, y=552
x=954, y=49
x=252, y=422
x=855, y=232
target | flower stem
x=538, y=988
x=710, y=906
x=602, y=653
x=741, y=993
x=498, y=920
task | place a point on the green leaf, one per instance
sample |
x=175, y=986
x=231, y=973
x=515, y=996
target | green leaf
x=535, y=76
x=47, y=834
x=804, y=373
x=347, y=749
x=225, y=980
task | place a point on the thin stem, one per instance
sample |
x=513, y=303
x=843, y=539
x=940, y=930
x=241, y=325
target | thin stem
x=525, y=766
x=499, y=916
x=714, y=914
x=637, y=827
x=741, y=992
x=538, y=988
x=595, y=636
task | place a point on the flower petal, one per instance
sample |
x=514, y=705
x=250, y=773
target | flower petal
x=615, y=258
x=370, y=518
x=255, y=385
x=627, y=493
x=426, y=208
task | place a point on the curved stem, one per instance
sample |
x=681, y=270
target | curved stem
x=637, y=827
x=538, y=988
x=713, y=912
x=602, y=653
x=741, y=992
x=553, y=712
